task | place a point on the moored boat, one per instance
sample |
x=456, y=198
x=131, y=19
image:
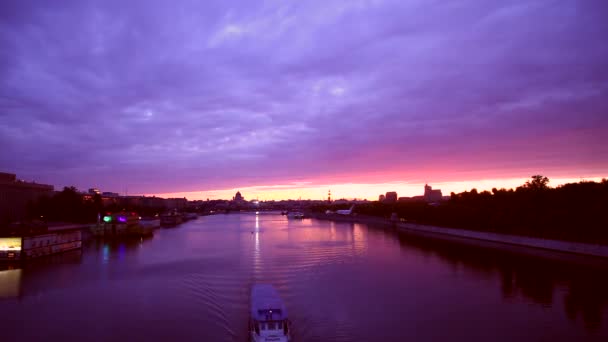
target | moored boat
x=28, y=244
x=268, y=321
x=150, y=221
x=295, y=215
x=121, y=224
x=171, y=219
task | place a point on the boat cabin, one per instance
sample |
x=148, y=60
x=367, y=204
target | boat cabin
x=268, y=320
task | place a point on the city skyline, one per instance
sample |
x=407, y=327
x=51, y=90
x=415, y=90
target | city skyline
x=352, y=191
x=293, y=99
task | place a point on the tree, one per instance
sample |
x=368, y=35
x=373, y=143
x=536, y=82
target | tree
x=538, y=182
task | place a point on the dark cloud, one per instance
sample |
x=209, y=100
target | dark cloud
x=175, y=96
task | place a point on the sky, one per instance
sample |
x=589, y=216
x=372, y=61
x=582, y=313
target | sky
x=287, y=98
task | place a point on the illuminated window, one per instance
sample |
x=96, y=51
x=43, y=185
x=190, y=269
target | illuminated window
x=10, y=244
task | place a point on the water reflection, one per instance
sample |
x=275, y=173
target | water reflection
x=19, y=280
x=580, y=289
x=10, y=283
x=340, y=281
x=257, y=260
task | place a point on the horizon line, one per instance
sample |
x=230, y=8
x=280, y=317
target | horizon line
x=357, y=191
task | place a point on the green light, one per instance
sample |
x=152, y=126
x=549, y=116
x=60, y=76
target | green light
x=107, y=218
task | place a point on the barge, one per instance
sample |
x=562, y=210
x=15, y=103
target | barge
x=171, y=219
x=122, y=224
x=31, y=245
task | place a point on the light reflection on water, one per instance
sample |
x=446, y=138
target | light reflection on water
x=257, y=261
x=10, y=283
x=341, y=282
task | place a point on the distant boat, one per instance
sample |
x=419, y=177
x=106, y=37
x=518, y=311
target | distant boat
x=295, y=215
x=150, y=222
x=346, y=211
x=122, y=224
x=341, y=212
x=170, y=219
x=268, y=321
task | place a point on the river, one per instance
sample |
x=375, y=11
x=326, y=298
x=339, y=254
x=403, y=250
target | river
x=340, y=282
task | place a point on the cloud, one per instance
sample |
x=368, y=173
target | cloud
x=164, y=97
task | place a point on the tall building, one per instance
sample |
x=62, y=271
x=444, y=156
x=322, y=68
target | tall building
x=390, y=197
x=431, y=195
x=16, y=194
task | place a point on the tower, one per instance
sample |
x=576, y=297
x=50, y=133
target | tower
x=427, y=190
x=329, y=196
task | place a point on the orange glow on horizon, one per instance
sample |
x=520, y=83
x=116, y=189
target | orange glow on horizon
x=369, y=191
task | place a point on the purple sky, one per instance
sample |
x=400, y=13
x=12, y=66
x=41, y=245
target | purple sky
x=174, y=96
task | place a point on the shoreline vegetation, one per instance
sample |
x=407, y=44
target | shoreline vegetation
x=573, y=212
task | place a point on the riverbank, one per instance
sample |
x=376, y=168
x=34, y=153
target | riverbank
x=491, y=239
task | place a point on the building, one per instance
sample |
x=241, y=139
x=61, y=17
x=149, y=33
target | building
x=381, y=198
x=431, y=195
x=130, y=201
x=390, y=197
x=176, y=203
x=238, y=197
x=153, y=202
x=16, y=194
x=110, y=194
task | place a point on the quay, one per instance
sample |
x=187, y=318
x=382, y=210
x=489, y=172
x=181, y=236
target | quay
x=488, y=239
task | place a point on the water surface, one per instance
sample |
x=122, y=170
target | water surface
x=340, y=282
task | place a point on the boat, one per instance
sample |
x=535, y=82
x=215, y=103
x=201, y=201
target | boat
x=268, y=321
x=28, y=244
x=150, y=221
x=121, y=224
x=295, y=215
x=171, y=219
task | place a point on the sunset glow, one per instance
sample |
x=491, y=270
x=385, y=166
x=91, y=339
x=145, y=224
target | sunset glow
x=358, y=190
x=288, y=99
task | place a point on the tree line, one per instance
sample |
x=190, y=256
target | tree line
x=572, y=212
x=70, y=206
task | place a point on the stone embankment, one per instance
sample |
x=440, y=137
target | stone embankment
x=514, y=240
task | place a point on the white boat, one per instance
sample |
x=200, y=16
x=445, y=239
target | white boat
x=268, y=321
